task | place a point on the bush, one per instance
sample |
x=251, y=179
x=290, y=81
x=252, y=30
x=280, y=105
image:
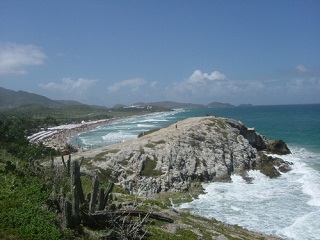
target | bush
x=22, y=209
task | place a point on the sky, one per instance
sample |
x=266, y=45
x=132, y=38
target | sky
x=108, y=52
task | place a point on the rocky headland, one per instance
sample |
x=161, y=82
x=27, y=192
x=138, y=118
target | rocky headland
x=174, y=158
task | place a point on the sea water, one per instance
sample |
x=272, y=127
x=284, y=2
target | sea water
x=287, y=206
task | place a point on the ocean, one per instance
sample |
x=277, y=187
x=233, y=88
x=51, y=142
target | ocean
x=287, y=206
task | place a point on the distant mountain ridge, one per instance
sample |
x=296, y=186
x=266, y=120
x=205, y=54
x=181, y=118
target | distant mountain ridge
x=10, y=98
x=172, y=105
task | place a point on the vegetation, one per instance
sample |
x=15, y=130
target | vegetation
x=23, y=196
x=13, y=132
x=148, y=168
x=35, y=200
x=73, y=113
x=148, y=132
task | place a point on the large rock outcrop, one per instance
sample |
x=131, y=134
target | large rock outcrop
x=195, y=149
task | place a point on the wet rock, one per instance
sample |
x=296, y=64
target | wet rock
x=278, y=147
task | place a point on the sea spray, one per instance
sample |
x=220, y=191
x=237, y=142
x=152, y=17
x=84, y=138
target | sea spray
x=286, y=206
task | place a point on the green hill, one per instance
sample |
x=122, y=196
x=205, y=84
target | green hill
x=10, y=98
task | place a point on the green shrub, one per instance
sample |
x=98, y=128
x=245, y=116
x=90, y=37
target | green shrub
x=150, y=145
x=22, y=209
x=148, y=168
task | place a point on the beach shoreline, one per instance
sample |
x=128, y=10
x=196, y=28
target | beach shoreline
x=58, y=137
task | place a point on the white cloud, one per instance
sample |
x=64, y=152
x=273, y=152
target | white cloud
x=14, y=58
x=199, y=77
x=304, y=86
x=133, y=84
x=200, y=82
x=301, y=68
x=206, y=87
x=78, y=86
x=153, y=85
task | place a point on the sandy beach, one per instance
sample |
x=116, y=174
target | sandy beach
x=57, y=137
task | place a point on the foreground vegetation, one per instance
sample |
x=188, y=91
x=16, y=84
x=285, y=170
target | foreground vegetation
x=31, y=193
x=29, y=210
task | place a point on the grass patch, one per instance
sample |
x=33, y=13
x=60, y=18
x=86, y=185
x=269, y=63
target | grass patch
x=150, y=145
x=216, y=122
x=183, y=234
x=113, y=151
x=148, y=168
x=148, y=132
x=101, y=156
x=124, y=162
x=141, y=151
x=22, y=210
x=194, y=144
x=160, y=142
x=106, y=175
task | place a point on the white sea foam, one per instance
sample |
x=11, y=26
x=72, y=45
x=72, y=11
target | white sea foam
x=125, y=129
x=118, y=137
x=304, y=227
x=287, y=206
x=145, y=126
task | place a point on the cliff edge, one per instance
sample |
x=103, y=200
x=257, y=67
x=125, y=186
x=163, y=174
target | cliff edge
x=193, y=150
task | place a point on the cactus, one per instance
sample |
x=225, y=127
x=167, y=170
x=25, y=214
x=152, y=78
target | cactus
x=101, y=202
x=52, y=162
x=81, y=161
x=74, y=206
x=76, y=190
x=108, y=192
x=64, y=163
x=67, y=216
x=94, y=194
x=68, y=165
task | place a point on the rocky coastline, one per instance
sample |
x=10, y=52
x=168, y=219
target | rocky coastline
x=194, y=150
x=170, y=164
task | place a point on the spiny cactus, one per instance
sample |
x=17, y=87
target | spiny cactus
x=94, y=194
x=76, y=192
x=73, y=204
x=101, y=201
x=67, y=217
x=66, y=165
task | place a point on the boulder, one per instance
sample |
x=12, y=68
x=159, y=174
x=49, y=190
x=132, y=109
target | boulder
x=277, y=147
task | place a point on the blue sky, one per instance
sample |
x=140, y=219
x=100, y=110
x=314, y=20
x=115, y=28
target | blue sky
x=108, y=52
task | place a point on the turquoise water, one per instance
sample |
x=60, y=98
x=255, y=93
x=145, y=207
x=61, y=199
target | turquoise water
x=288, y=206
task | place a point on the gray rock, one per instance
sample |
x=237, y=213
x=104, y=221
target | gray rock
x=196, y=149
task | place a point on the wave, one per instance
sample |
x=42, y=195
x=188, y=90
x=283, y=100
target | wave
x=146, y=126
x=118, y=137
x=287, y=206
x=304, y=227
x=307, y=165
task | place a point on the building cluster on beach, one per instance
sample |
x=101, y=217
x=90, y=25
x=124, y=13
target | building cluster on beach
x=57, y=137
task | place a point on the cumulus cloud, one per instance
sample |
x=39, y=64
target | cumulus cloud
x=78, y=86
x=199, y=77
x=201, y=82
x=207, y=86
x=133, y=84
x=14, y=58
